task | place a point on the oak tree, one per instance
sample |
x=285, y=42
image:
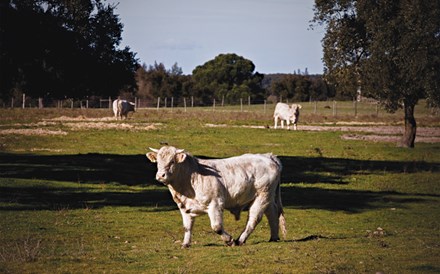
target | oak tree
x=390, y=49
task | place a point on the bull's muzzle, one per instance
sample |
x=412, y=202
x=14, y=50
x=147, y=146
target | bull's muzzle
x=161, y=177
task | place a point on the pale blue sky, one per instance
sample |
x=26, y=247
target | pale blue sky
x=273, y=34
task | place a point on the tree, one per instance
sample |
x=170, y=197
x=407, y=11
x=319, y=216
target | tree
x=228, y=76
x=156, y=81
x=390, y=49
x=294, y=87
x=65, y=49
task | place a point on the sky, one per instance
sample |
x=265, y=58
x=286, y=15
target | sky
x=274, y=34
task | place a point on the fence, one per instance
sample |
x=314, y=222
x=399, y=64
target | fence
x=328, y=108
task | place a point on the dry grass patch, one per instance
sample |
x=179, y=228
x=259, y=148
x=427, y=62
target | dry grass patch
x=32, y=132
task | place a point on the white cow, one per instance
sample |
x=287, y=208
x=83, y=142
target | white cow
x=122, y=108
x=289, y=114
x=201, y=186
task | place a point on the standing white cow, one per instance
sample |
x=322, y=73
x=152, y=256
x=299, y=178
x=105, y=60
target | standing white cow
x=288, y=113
x=200, y=186
x=122, y=108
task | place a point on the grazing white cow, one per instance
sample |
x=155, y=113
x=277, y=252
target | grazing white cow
x=287, y=113
x=200, y=186
x=122, y=108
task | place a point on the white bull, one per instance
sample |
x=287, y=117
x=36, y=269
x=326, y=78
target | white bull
x=121, y=108
x=201, y=186
x=287, y=113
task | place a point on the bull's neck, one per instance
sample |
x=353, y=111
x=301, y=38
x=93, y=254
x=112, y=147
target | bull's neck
x=183, y=174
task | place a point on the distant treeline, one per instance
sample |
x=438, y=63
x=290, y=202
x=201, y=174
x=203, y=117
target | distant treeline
x=70, y=49
x=228, y=78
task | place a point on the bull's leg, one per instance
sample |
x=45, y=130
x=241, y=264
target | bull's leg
x=256, y=211
x=294, y=126
x=188, y=223
x=288, y=124
x=273, y=218
x=282, y=123
x=276, y=122
x=215, y=214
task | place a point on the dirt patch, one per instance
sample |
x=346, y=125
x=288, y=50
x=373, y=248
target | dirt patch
x=376, y=132
x=76, y=124
x=388, y=138
x=81, y=118
x=32, y=131
x=115, y=126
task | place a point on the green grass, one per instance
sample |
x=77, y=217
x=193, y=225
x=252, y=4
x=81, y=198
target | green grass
x=87, y=201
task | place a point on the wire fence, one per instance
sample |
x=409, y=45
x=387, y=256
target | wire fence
x=331, y=107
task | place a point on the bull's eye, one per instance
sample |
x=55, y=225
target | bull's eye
x=171, y=164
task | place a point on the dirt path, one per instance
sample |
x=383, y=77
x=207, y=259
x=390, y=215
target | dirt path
x=372, y=132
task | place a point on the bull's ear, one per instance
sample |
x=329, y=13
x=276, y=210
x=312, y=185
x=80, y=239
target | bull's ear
x=180, y=156
x=152, y=156
x=299, y=106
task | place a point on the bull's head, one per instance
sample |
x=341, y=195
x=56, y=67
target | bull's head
x=294, y=109
x=167, y=159
x=131, y=106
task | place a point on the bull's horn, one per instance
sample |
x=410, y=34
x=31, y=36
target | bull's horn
x=180, y=150
x=154, y=150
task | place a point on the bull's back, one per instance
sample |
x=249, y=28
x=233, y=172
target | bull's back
x=244, y=176
x=282, y=110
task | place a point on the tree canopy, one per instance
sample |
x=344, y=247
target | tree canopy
x=63, y=49
x=390, y=50
x=228, y=76
x=296, y=87
x=156, y=81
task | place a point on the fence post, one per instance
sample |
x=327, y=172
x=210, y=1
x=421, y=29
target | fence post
x=109, y=102
x=158, y=103
x=172, y=103
x=355, y=108
x=71, y=103
x=184, y=103
x=223, y=101
x=334, y=108
x=192, y=101
x=264, y=106
x=213, y=104
x=24, y=100
x=87, y=103
x=165, y=102
x=249, y=101
x=316, y=107
x=241, y=104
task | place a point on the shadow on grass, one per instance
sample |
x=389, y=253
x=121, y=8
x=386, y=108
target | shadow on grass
x=115, y=173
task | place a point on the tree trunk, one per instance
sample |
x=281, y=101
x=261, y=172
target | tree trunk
x=409, y=135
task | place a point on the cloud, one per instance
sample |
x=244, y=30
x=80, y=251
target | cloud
x=174, y=44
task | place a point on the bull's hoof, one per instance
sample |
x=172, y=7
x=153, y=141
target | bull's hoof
x=230, y=243
x=238, y=243
x=277, y=239
x=185, y=246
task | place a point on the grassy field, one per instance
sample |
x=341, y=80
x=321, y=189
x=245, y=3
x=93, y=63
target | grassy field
x=77, y=194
